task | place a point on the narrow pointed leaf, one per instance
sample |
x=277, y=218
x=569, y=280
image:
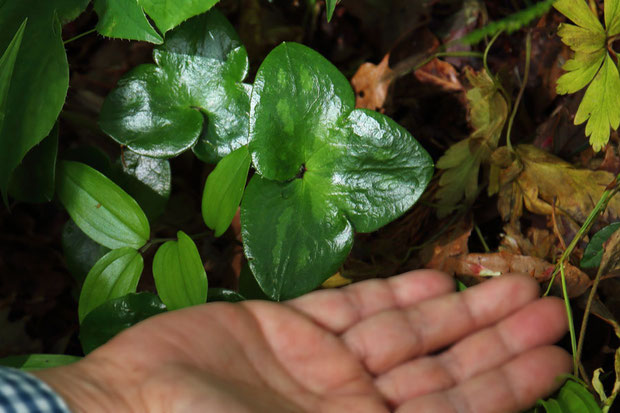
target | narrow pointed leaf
x=100, y=208
x=124, y=19
x=116, y=315
x=331, y=6
x=224, y=190
x=31, y=362
x=179, y=274
x=116, y=274
x=168, y=14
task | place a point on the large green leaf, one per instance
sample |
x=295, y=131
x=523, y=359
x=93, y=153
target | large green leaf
x=100, y=208
x=124, y=19
x=224, y=190
x=168, y=14
x=80, y=252
x=192, y=97
x=116, y=315
x=593, y=253
x=40, y=77
x=179, y=274
x=116, y=274
x=324, y=169
x=7, y=65
x=34, y=180
x=30, y=362
x=572, y=397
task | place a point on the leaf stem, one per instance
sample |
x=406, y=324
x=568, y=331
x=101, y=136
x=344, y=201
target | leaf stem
x=515, y=108
x=79, y=36
x=571, y=324
x=484, y=243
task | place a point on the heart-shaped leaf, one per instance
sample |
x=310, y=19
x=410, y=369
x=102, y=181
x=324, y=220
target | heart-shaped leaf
x=325, y=169
x=115, y=274
x=224, y=190
x=180, y=277
x=38, y=361
x=100, y=208
x=116, y=315
x=40, y=78
x=193, y=96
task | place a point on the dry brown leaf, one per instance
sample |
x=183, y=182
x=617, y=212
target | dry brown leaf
x=440, y=73
x=500, y=263
x=371, y=83
x=537, y=179
x=452, y=244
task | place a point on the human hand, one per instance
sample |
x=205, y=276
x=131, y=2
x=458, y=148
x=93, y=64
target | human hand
x=404, y=344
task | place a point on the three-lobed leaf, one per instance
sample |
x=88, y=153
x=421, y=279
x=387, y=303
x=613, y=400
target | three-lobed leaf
x=324, y=169
x=101, y=209
x=192, y=97
x=179, y=274
x=224, y=189
x=115, y=274
x=116, y=315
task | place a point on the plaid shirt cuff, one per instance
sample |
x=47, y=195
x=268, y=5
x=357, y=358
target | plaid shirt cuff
x=21, y=392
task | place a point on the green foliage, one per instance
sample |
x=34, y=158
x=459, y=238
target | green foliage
x=161, y=110
x=100, y=208
x=31, y=98
x=571, y=398
x=594, y=251
x=331, y=6
x=593, y=64
x=80, y=252
x=510, y=24
x=222, y=294
x=38, y=361
x=115, y=274
x=116, y=315
x=179, y=275
x=323, y=170
x=224, y=190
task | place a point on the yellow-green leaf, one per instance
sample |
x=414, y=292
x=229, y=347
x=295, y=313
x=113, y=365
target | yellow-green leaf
x=580, y=71
x=612, y=17
x=579, y=12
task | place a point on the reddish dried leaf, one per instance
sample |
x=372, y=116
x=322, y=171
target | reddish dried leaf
x=371, y=84
x=440, y=73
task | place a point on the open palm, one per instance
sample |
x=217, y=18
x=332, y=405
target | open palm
x=404, y=344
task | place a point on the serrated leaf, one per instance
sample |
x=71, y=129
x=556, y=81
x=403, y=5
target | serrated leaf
x=124, y=19
x=147, y=180
x=594, y=251
x=34, y=180
x=116, y=315
x=579, y=12
x=192, y=97
x=601, y=105
x=179, y=274
x=80, y=252
x=330, y=6
x=40, y=76
x=31, y=362
x=115, y=274
x=168, y=14
x=580, y=71
x=222, y=294
x=324, y=169
x=488, y=112
x=100, y=208
x=224, y=189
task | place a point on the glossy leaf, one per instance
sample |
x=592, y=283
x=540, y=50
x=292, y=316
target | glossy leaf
x=224, y=190
x=29, y=362
x=168, y=14
x=594, y=251
x=80, y=252
x=324, y=169
x=147, y=180
x=40, y=76
x=115, y=274
x=116, y=315
x=124, y=19
x=193, y=96
x=34, y=180
x=179, y=274
x=7, y=65
x=331, y=6
x=222, y=294
x=572, y=397
x=100, y=208
x=248, y=286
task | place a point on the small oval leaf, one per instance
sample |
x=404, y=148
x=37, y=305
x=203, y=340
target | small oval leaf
x=116, y=274
x=594, y=251
x=101, y=208
x=179, y=274
x=222, y=294
x=29, y=362
x=224, y=190
x=116, y=315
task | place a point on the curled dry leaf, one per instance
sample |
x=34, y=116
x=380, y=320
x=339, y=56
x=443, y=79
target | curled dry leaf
x=440, y=73
x=371, y=83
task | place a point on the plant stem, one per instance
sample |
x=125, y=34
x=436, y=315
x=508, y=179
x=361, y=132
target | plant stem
x=79, y=36
x=515, y=108
x=496, y=82
x=484, y=243
x=571, y=324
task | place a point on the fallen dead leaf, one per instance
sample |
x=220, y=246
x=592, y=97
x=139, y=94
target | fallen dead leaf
x=440, y=73
x=371, y=83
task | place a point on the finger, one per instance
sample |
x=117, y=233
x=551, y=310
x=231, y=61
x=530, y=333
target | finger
x=539, y=323
x=391, y=337
x=338, y=310
x=510, y=388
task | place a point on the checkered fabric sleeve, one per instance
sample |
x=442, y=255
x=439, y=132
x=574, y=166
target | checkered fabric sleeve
x=21, y=392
